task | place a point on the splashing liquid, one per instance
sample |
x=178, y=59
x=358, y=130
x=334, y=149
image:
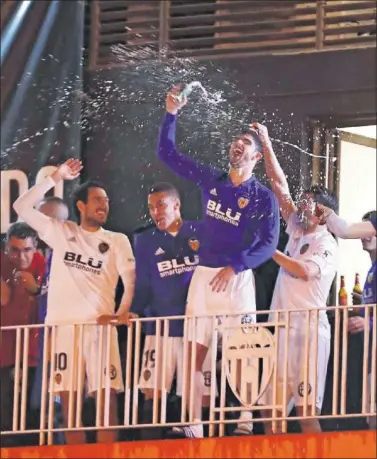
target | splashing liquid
x=189, y=88
x=197, y=84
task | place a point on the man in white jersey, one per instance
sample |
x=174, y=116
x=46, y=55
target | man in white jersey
x=308, y=268
x=86, y=264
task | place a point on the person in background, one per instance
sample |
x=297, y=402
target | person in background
x=339, y=227
x=22, y=270
x=357, y=324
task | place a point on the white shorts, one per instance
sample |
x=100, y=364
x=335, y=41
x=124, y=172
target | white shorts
x=173, y=364
x=317, y=368
x=67, y=366
x=239, y=297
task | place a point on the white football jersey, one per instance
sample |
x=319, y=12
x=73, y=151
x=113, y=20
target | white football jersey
x=292, y=293
x=84, y=272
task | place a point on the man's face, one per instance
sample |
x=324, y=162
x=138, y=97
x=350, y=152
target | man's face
x=96, y=210
x=306, y=211
x=163, y=209
x=21, y=251
x=243, y=151
x=54, y=209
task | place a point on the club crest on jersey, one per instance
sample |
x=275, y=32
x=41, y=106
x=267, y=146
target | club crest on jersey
x=304, y=249
x=103, y=247
x=194, y=244
x=251, y=348
x=370, y=278
x=242, y=202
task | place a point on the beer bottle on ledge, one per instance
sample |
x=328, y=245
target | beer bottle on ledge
x=342, y=295
x=357, y=288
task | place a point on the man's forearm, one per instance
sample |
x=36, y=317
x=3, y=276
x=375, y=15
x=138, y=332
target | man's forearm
x=24, y=205
x=296, y=268
x=274, y=171
x=342, y=229
x=5, y=293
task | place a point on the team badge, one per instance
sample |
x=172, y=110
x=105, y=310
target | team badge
x=58, y=378
x=113, y=372
x=242, y=202
x=207, y=378
x=253, y=349
x=304, y=249
x=194, y=244
x=147, y=375
x=370, y=278
x=103, y=247
x=300, y=389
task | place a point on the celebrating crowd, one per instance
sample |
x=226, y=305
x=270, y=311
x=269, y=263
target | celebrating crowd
x=175, y=268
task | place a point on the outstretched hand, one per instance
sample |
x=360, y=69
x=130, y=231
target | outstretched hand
x=173, y=103
x=69, y=170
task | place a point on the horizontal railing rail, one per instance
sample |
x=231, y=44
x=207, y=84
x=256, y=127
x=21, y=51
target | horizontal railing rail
x=255, y=360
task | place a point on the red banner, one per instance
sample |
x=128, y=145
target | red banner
x=325, y=445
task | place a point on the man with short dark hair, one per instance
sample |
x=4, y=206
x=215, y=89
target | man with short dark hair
x=307, y=270
x=22, y=270
x=357, y=323
x=86, y=264
x=240, y=232
x=166, y=257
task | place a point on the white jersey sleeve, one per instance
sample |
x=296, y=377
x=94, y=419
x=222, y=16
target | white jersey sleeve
x=125, y=262
x=324, y=254
x=292, y=225
x=25, y=208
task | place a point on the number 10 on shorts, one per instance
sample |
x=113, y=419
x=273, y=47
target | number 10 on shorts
x=60, y=361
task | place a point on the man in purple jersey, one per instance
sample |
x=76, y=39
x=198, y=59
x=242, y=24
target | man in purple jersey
x=357, y=324
x=240, y=232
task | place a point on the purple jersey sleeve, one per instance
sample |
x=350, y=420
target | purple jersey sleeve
x=143, y=281
x=265, y=230
x=182, y=165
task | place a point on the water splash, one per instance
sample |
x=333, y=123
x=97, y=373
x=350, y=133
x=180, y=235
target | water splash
x=300, y=149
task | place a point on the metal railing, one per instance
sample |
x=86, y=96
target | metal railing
x=211, y=29
x=245, y=347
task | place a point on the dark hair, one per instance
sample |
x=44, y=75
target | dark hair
x=21, y=230
x=369, y=216
x=254, y=134
x=82, y=192
x=323, y=196
x=164, y=187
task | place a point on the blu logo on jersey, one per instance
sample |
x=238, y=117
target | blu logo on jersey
x=177, y=266
x=78, y=259
x=214, y=210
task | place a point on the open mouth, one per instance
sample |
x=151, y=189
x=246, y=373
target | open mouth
x=101, y=213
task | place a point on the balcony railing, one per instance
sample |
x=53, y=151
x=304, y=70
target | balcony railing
x=210, y=29
x=262, y=352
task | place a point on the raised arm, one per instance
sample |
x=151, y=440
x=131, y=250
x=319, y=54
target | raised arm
x=275, y=174
x=344, y=230
x=182, y=165
x=25, y=204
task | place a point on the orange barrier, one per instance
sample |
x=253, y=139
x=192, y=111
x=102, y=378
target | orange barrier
x=325, y=445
